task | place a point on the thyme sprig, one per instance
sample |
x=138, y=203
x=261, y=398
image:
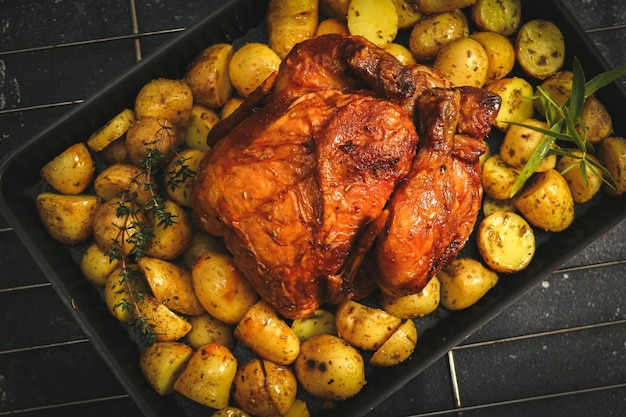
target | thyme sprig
x=566, y=133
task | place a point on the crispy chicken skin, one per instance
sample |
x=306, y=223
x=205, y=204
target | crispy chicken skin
x=433, y=211
x=316, y=175
x=293, y=185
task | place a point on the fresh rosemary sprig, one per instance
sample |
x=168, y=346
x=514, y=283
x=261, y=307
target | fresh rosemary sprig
x=565, y=125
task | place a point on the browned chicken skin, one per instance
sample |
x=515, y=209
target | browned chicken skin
x=299, y=178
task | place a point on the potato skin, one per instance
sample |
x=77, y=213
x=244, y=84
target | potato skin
x=127, y=180
x=520, y=142
x=206, y=329
x=71, y=171
x=464, y=61
x=208, y=78
x=398, y=347
x=546, y=201
x=612, y=154
x=500, y=54
x=162, y=362
x=97, y=265
x=517, y=103
x=498, y=16
x=498, y=178
x=540, y=48
x=113, y=232
x=431, y=32
x=413, y=305
x=68, y=219
x=581, y=191
x=166, y=99
x=597, y=121
x=363, y=326
x=463, y=282
x=329, y=368
x=169, y=241
x=251, y=65
x=290, y=22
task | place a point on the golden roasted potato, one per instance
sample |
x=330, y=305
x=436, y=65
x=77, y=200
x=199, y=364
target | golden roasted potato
x=582, y=188
x=540, y=48
x=170, y=285
x=165, y=99
x=201, y=242
x=121, y=291
x=364, y=327
x=375, y=20
x=96, y=265
x=464, y=281
x=165, y=323
x=162, y=362
x=398, y=347
x=546, y=201
x=517, y=100
x=464, y=62
x=408, y=14
x=491, y=204
x=499, y=16
x=117, y=224
x=201, y=121
x=208, y=376
x=116, y=152
x=230, y=412
x=68, y=218
x=413, y=305
x=230, y=106
x=251, y=65
x=207, y=329
x=431, y=32
x=559, y=87
x=500, y=54
x=520, y=142
x=329, y=368
x=401, y=52
x=331, y=25
x=505, y=241
x=71, y=171
x=290, y=22
x=208, y=78
x=498, y=178
x=154, y=138
x=298, y=409
x=179, y=175
x=127, y=181
x=441, y=6
x=221, y=288
x=111, y=131
x=596, y=120
x=320, y=322
x=169, y=241
x=264, y=389
x=612, y=154
x=337, y=9
x=260, y=324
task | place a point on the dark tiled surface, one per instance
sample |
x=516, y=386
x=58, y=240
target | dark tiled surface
x=560, y=350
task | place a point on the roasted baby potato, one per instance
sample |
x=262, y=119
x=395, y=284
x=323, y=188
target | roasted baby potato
x=116, y=224
x=208, y=78
x=540, y=48
x=498, y=16
x=251, y=65
x=491, y=204
x=464, y=62
x=431, y=32
x=329, y=368
x=464, y=281
x=263, y=388
x=230, y=412
x=517, y=100
x=596, y=120
x=165, y=323
x=165, y=99
x=559, y=88
x=121, y=291
x=500, y=54
x=408, y=14
x=364, y=327
x=331, y=25
x=401, y=52
x=520, y=142
x=398, y=347
x=505, y=241
x=583, y=188
x=260, y=324
x=170, y=234
x=206, y=329
x=162, y=362
x=208, y=376
x=546, y=201
x=201, y=121
x=375, y=20
x=96, y=265
x=221, y=288
x=111, y=131
x=68, y=218
x=320, y=322
x=170, y=285
x=612, y=154
x=337, y=9
x=413, y=305
x=200, y=243
x=127, y=181
x=290, y=22
x=71, y=171
x=179, y=175
x=440, y=6
x=152, y=137
x=498, y=178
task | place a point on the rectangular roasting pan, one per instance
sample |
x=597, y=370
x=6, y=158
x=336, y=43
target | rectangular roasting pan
x=240, y=21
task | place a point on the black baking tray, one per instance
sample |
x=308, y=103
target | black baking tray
x=234, y=22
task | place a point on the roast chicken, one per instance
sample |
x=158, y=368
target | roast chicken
x=321, y=187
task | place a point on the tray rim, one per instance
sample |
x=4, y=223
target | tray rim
x=429, y=349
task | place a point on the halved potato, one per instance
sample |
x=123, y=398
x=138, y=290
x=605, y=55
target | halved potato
x=398, y=347
x=71, y=171
x=165, y=99
x=464, y=281
x=112, y=130
x=208, y=77
x=375, y=20
x=68, y=218
x=162, y=363
x=364, y=327
x=540, y=48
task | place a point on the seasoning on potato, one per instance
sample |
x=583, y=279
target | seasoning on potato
x=465, y=281
x=464, y=62
x=540, y=48
x=250, y=65
x=431, y=32
x=71, y=171
x=290, y=22
x=69, y=219
x=520, y=142
x=162, y=362
x=208, y=77
x=363, y=326
x=498, y=16
x=375, y=20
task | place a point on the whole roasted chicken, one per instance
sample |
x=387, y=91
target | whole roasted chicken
x=314, y=183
